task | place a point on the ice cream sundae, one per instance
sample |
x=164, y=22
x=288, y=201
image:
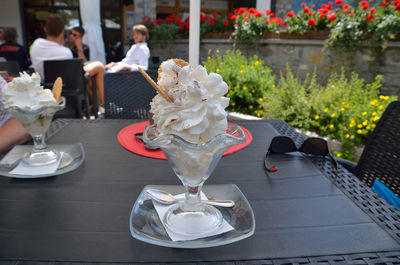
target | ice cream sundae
x=34, y=107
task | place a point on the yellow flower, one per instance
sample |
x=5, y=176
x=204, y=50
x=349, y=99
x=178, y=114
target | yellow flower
x=255, y=111
x=347, y=136
x=217, y=51
x=368, y=127
x=244, y=88
x=373, y=126
x=208, y=58
x=373, y=113
x=217, y=70
x=251, y=67
x=352, y=123
x=273, y=86
x=316, y=117
x=237, y=86
x=229, y=87
x=251, y=107
x=260, y=99
x=382, y=97
x=262, y=71
x=374, y=102
x=265, y=98
x=252, y=91
x=242, y=66
x=365, y=122
x=257, y=63
x=341, y=109
x=343, y=102
x=259, y=106
x=333, y=115
x=338, y=154
x=220, y=63
x=258, y=114
x=347, y=106
x=205, y=66
x=241, y=71
x=364, y=113
x=380, y=107
x=326, y=110
x=359, y=131
x=233, y=104
x=376, y=118
x=228, y=95
x=331, y=126
x=359, y=126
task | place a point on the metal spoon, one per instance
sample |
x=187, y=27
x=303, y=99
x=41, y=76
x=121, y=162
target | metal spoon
x=167, y=198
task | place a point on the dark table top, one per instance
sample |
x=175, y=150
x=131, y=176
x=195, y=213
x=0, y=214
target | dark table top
x=302, y=214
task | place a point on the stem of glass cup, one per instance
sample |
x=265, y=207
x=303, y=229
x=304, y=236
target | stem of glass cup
x=39, y=143
x=192, y=197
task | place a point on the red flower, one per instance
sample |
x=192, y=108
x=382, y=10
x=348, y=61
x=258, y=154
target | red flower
x=345, y=10
x=182, y=28
x=397, y=7
x=330, y=3
x=339, y=2
x=258, y=14
x=370, y=17
x=306, y=9
x=365, y=5
x=226, y=23
x=277, y=20
x=211, y=21
x=271, y=14
x=186, y=25
x=313, y=6
x=303, y=4
x=323, y=6
x=233, y=17
x=322, y=15
x=346, y=6
x=268, y=12
x=332, y=17
x=311, y=22
x=352, y=13
x=290, y=14
x=252, y=10
x=310, y=13
x=266, y=20
x=372, y=10
x=246, y=19
x=240, y=11
x=203, y=17
x=285, y=24
x=214, y=15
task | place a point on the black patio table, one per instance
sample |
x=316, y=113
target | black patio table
x=303, y=214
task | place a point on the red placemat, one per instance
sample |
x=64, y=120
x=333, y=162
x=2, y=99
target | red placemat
x=126, y=138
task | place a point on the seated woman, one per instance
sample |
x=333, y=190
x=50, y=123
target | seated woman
x=11, y=130
x=137, y=56
x=96, y=69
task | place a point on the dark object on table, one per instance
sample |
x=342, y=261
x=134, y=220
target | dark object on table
x=128, y=95
x=12, y=67
x=381, y=156
x=313, y=146
x=74, y=86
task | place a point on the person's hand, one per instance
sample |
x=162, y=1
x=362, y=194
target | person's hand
x=78, y=43
x=120, y=67
x=108, y=66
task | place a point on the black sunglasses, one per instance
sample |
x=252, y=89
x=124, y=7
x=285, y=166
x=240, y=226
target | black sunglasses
x=312, y=146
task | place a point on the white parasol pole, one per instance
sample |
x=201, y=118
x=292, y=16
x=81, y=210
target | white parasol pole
x=194, y=32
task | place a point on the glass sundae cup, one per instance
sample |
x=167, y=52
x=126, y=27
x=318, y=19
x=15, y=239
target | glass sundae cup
x=37, y=122
x=193, y=164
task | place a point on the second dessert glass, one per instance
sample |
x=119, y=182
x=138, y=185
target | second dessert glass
x=37, y=122
x=193, y=164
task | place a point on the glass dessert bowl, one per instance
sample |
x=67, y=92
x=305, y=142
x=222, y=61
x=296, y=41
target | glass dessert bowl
x=193, y=164
x=37, y=122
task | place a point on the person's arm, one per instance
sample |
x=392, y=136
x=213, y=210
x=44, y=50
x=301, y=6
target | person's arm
x=79, y=48
x=12, y=133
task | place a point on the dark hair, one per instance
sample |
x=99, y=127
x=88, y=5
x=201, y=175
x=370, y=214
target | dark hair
x=141, y=29
x=80, y=30
x=10, y=35
x=54, y=25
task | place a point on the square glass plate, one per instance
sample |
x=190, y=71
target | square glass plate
x=145, y=225
x=73, y=157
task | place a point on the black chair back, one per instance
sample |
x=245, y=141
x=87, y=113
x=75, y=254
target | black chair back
x=12, y=67
x=74, y=85
x=128, y=95
x=381, y=156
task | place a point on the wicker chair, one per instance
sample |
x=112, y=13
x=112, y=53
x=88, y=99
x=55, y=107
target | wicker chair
x=127, y=95
x=381, y=156
x=12, y=67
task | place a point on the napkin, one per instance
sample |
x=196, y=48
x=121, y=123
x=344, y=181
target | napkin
x=162, y=210
x=24, y=169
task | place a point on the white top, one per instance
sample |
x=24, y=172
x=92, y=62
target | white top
x=138, y=55
x=44, y=50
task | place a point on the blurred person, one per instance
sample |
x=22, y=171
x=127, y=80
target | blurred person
x=96, y=69
x=137, y=56
x=51, y=48
x=13, y=51
x=11, y=130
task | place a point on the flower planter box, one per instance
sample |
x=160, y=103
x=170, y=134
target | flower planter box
x=218, y=35
x=312, y=35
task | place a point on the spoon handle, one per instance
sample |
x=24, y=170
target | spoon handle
x=221, y=203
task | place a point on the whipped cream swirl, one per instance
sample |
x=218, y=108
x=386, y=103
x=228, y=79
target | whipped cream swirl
x=197, y=113
x=26, y=93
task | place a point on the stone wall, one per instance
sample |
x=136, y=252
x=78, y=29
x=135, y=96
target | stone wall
x=303, y=56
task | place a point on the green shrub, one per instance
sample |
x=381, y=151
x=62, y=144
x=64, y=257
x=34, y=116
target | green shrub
x=345, y=109
x=247, y=80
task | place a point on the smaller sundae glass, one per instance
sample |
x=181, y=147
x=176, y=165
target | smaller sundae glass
x=37, y=122
x=193, y=164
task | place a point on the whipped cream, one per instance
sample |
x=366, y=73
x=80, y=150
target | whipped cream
x=197, y=113
x=26, y=93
